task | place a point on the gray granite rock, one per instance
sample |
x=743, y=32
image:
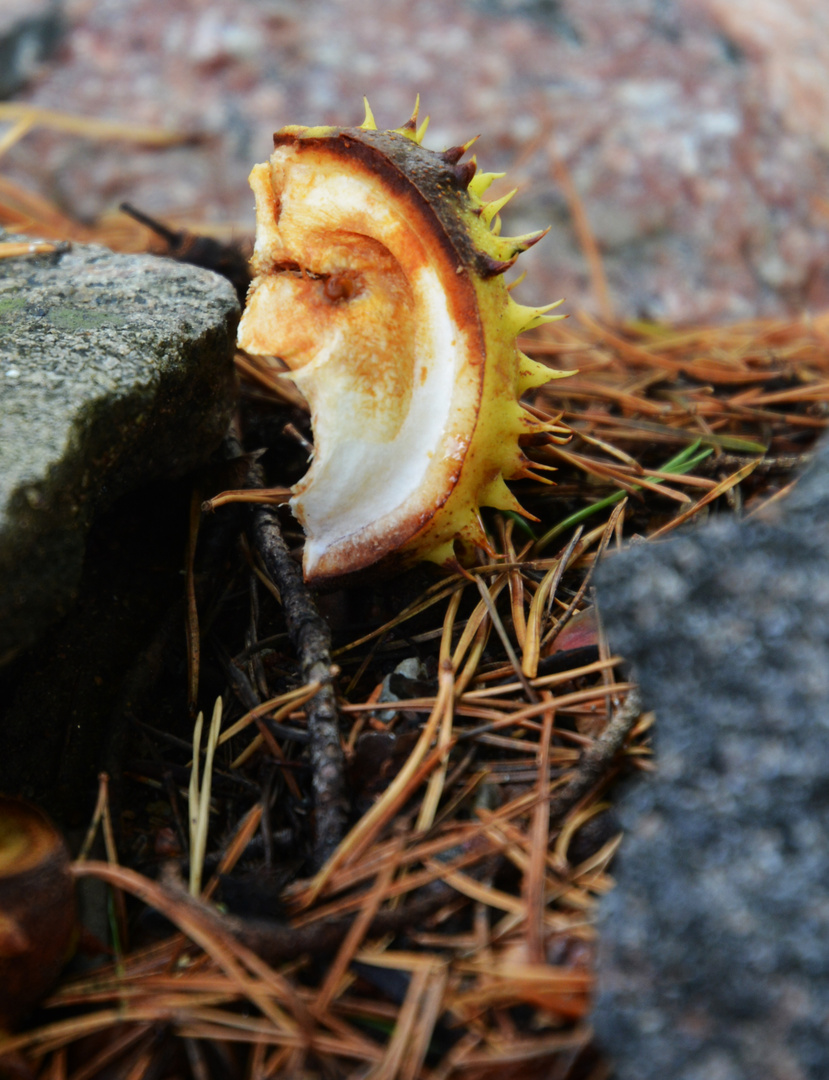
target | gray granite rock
x=714, y=947
x=114, y=369
x=29, y=31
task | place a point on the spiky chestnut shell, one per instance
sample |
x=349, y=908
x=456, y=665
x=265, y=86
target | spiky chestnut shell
x=378, y=282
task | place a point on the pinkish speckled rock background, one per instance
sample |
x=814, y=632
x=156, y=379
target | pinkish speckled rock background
x=695, y=131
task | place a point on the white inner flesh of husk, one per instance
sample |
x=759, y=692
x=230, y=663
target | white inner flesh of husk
x=353, y=483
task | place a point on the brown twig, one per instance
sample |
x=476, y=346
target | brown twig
x=271, y=942
x=311, y=639
x=596, y=760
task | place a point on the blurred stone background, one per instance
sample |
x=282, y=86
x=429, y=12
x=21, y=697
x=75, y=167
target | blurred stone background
x=695, y=133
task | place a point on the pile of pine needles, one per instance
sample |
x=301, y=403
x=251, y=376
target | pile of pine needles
x=447, y=928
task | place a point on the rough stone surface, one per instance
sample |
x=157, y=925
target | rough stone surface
x=29, y=32
x=114, y=369
x=694, y=131
x=714, y=955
